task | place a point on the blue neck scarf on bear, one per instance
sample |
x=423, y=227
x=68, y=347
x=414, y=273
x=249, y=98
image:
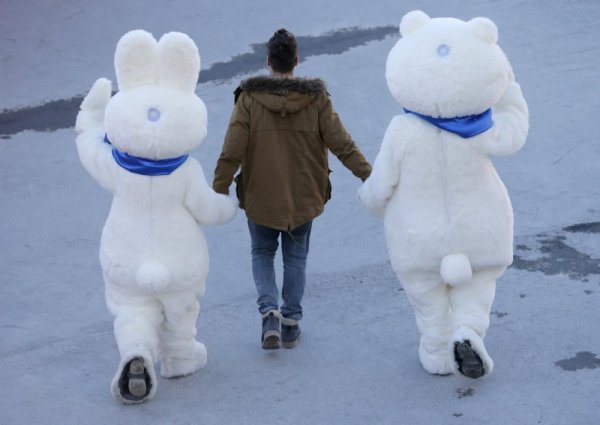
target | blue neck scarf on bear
x=144, y=166
x=465, y=127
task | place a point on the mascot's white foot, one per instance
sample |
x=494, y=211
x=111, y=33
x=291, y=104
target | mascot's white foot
x=135, y=380
x=436, y=363
x=469, y=354
x=173, y=367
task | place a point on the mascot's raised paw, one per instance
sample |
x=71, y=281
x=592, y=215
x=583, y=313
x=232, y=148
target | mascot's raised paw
x=92, y=108
x=447, y=216
x=154, y=256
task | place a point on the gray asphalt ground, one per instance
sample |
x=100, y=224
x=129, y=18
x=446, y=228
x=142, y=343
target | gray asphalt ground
x=357, y=362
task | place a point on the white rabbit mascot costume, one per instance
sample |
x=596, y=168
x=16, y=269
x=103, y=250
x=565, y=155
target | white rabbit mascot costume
x=153, y=253
x=448, y=220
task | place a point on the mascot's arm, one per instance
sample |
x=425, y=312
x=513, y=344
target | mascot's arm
x=94, y=154
x=379, y=187
x=511, y=123
x=207, y=206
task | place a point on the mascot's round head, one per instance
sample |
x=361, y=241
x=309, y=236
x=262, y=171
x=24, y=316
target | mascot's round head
x=156, y=113
x=445, y=67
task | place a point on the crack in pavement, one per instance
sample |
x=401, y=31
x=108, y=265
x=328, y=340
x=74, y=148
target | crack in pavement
x=59, y=114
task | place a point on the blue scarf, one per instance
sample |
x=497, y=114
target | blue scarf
x=144, y=166
x=465, y=127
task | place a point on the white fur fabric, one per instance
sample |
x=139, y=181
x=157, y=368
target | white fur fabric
x=456, y=269
x=153, y=252
x=438, y=362
x=448, y=220
x=439, y=193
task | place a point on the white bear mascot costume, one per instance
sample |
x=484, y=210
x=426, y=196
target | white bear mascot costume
x=153, y=253
x=447, y=217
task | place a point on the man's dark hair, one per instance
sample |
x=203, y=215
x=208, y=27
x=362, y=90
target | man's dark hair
x=282, y=49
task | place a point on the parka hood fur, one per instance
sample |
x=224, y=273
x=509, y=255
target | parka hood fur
x=283, y=86
x=283, y=94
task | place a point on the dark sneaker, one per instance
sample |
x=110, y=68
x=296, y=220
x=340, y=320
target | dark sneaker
x=290, y=333
x=135, y=382
x=271, y=335
x=469, y=362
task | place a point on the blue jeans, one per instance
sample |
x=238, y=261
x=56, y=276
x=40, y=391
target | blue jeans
x=294, y=249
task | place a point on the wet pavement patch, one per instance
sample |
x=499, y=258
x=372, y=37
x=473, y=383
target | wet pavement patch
x=59, y=114
x=582, y=360
x=465, y=392
x=593, y=227
x=558, y=257
x=331, y=43
x=47, y=117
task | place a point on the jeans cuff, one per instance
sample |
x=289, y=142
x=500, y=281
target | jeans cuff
x=289, y=321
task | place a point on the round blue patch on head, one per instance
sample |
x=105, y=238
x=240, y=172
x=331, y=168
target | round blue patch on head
x=443, y=50
x=153, y=114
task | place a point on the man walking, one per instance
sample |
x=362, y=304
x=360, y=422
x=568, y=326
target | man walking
x=279, y=134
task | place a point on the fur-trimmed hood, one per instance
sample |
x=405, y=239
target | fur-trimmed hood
x=283, y=86
x=281, y=95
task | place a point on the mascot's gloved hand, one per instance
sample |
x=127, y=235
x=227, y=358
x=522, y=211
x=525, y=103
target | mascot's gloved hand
x=91, y=114
x=365, y=197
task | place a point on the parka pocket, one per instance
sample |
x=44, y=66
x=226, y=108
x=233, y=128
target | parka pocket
x=239, y=189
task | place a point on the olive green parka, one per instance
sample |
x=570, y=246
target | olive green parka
x=279, y=134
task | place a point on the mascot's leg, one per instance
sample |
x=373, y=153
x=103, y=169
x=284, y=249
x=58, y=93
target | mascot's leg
x=429, y=298
x=471, y=305
x=180, y=353
x=137, y=319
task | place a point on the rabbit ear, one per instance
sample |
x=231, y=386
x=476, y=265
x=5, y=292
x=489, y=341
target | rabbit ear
x=136, y=60
x=179, y=61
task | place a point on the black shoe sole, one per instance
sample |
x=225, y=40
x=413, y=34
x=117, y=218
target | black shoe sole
x=137, y=378
x=469, y=362
x=135, y=382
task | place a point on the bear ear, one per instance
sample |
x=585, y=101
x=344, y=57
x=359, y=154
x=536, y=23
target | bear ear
x=413, y=20
x=485, y=29
x=179, y=61
x=136, y=60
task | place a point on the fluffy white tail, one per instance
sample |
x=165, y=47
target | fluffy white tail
x=153, y=276
x=456, y=269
